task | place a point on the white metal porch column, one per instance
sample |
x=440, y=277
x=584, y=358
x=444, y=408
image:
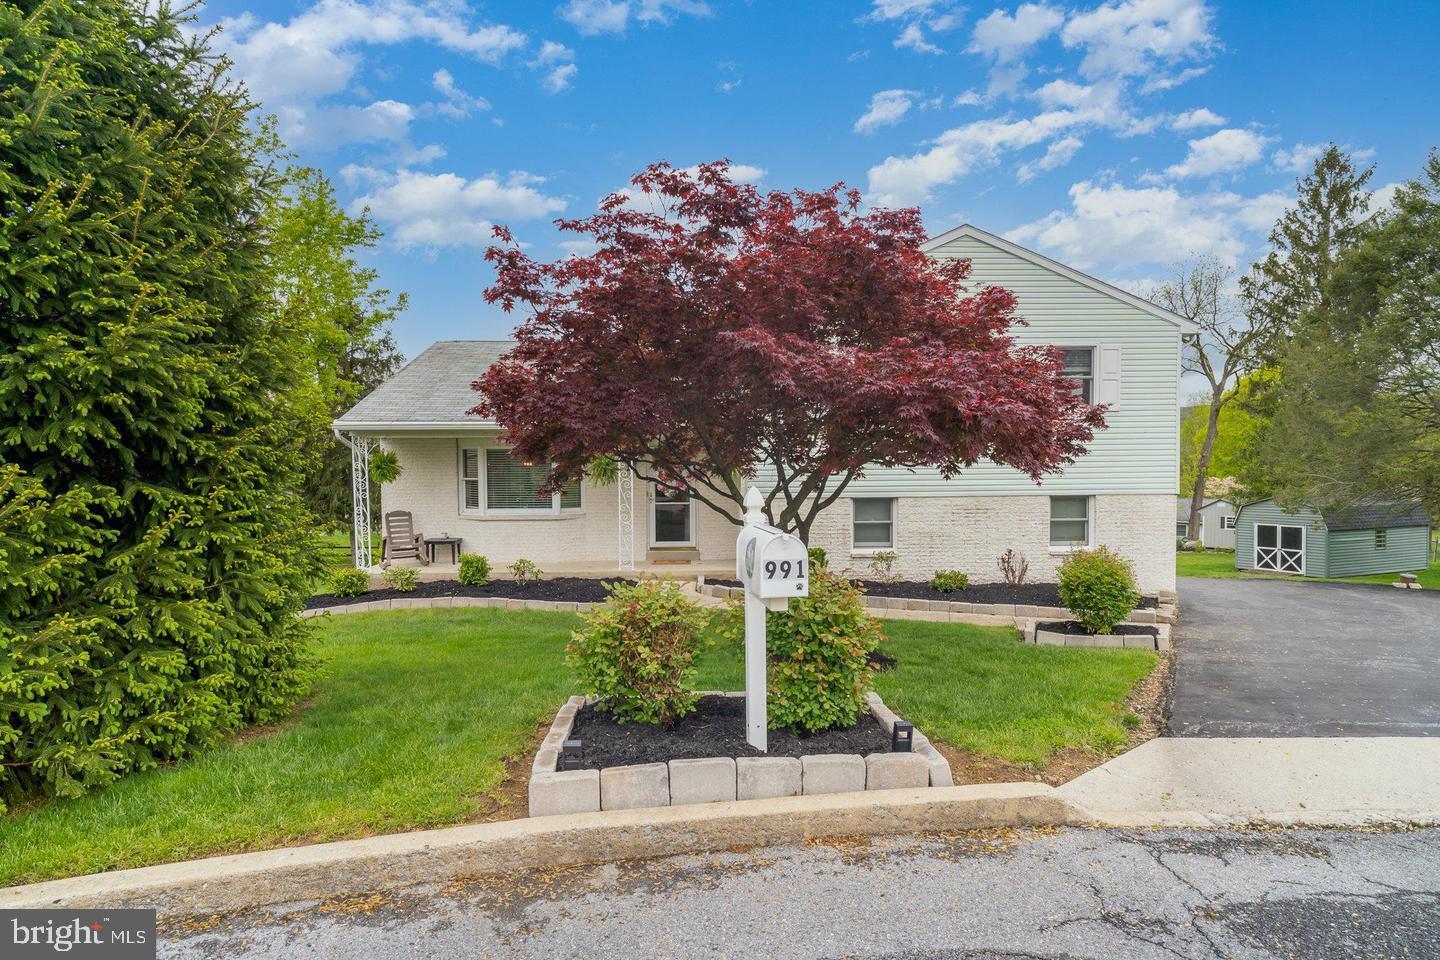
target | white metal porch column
x=360, y=448
x=625, y=519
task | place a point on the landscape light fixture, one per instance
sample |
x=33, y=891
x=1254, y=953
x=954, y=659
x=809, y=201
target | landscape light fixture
x=902, y=740
x=572, y=755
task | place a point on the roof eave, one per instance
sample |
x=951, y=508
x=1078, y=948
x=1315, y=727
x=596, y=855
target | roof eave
x=1185, y=324
x=371, y=426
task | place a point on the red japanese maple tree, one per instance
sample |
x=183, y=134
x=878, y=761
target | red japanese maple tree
x=721, y=336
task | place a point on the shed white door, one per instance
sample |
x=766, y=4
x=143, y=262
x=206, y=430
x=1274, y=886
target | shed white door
x=1279, y=548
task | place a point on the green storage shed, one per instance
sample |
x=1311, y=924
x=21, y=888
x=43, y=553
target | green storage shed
x=1370, y=537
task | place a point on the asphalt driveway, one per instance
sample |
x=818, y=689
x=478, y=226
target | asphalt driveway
x=1282, y=659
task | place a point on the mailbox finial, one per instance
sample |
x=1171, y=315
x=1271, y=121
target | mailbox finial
x=753, y=502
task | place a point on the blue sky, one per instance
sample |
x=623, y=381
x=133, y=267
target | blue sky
x=1119, y=137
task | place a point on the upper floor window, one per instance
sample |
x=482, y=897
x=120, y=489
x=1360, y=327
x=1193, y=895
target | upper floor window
x=1080, y=367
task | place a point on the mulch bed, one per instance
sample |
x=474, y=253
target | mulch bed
x=1034, y=594
x=1072, y=629
x=715, y=729
x=566, y=589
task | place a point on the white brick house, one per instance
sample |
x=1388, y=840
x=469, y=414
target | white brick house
x=459, y=479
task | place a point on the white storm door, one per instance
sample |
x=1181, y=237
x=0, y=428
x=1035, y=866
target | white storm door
x=672, y=519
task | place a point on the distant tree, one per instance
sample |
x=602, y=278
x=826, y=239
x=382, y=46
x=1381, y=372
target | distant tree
x=1226, y=349
x=153, y=549
x=1230, y=455
x=1358, y=410
x=327, y=296
x=1330, y=214
x=731, y=334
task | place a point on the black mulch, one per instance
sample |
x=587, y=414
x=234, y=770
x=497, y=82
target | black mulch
x=568, y=589
x=879, y=661
x=1073, y=629
x=715, y=729
x=1035, y=594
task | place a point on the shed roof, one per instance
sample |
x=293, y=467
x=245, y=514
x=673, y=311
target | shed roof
x=1368, y=514
x=431, y=390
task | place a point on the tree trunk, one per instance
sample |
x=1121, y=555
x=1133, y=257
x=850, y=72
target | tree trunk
x=1202, y=464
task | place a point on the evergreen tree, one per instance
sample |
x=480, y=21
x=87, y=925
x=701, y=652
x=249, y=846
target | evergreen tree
x=1330, y=214
x=153, y=548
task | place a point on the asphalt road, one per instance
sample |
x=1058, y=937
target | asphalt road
x=1103, y=894
x=1281, y=659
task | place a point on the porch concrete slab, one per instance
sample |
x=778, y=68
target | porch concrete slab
x=1332, y=781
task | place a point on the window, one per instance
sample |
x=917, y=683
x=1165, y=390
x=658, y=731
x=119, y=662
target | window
x=1382, y=536
x=1228, y=523
x=874, y=524
x=508, y=485
x=1182, y=529
x=1069, y=521
x=1080, y=367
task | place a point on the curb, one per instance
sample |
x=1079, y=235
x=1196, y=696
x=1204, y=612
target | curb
x=326, y=870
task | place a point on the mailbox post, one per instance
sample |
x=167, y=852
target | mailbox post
x=774, y=566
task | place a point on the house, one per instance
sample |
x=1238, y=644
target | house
x=1217, y=523
x=460, y=479
x=1370, y=537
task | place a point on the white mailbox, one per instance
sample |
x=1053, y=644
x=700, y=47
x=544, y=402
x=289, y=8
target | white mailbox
x=772, y=564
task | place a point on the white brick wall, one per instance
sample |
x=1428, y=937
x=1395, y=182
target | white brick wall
x=970, y=533
x=932, y=533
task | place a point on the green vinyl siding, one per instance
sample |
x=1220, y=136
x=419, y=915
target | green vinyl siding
x=1334, y=553
x=1268, y=511
x=1353, y=552
x=1138, y=452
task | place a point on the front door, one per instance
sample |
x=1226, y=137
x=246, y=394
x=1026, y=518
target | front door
x=672, y=521
x=1279, y=548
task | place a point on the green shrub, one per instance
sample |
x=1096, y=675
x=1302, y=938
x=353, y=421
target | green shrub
x=818, y=655
x=882, y=566
x=400, y=578
x=818, y=558
x=635, y=654
x=524, y=571
x=949, y=581
x=474, y=569
x=348, y=582
x=1098, y=587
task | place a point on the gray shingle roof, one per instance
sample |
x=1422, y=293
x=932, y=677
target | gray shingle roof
x=432, y=388
x=1377, y=513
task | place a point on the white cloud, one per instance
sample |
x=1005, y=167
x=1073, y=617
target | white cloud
x=552, y=52
x=1221, y=152
x=913, y=37
x=1114, y=224
x=639, y=200
x=1006, y=36
x=590, y=17
x=1195, y=119
x=1299, y=158
x=1384, y=196
x=447, y=210
x=970, y=98
x=457, y=103
x=886, y=107
x=1058, y=154
x=292, y=67
x=1135, y=37
x=558, y=79
x=596, y=16
x=916, y=17
x=558, y=61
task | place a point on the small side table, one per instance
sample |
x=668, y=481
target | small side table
x=452, y=542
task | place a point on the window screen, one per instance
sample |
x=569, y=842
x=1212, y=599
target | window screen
x=1069, y=521
x=874, y=524
x=1080, y=367
x=470, y=478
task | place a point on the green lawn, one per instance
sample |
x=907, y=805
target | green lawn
x=1221, y=563
x=419, y=710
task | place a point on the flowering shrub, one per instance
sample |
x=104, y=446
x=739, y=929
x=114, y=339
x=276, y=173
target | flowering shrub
x=635, y=654
x=1098, y=587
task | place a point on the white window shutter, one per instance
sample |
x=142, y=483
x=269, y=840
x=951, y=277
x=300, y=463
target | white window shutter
x=1109, y=376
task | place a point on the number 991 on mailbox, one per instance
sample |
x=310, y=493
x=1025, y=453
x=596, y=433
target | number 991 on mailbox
x=771, y=563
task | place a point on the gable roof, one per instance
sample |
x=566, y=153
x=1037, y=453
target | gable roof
x=1055, y=266
x=433, y=390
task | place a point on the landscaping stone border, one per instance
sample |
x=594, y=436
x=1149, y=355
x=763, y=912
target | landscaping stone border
x=717, y=779
x=421, y=603
x=1160, y=643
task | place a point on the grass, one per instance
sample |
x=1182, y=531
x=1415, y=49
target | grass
x=418, y=712
x=1216, y=564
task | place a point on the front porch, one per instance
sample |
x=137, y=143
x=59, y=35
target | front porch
x=443, y=569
